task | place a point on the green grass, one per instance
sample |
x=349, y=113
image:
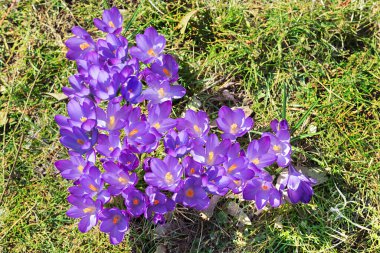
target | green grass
x=325, y=53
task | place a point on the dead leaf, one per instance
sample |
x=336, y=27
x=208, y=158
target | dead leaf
x=209, y=212
x=314, y=172
x=185, y=20
x=3, y=118
x=234, y=210
x=58, y=96
x=161, y=249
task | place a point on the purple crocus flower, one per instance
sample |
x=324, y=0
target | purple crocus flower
x=257, y=153
x=237, y=168
x=78, y=87
x=192, y=168
x=102, y=84
x=159, y=91
x=262, y=192
x=128, y=160
x=117, y=178
x=233, y=122
x=195, y=123
x=115, y=223
x=86, y=209
x=158, y=116
x=113, y=50
x=299, y=187
x=167, y=70
x=79, y=45
x=213, y=153
x=91, y=185
x=74, y=168
x=82, y=114
x=135, y=201
x=109, y=145
x=279, y=126
x=131, y=90
x=192, y=194
x=111, y=21
x=166, y=174
x=158, y=202
x=115, y=118
x=281, y=149
x=216, y=181
x=177, y=144
x=149, y=46
x=78, y=140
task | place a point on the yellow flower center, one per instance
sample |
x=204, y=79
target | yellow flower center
x=122, y=180
x=115, y=219
x=166, y=72
x=161, y=92
x=111, y=149
x=233, y=128
x=151, y=52
x=90, y=209
x=232, y=168
x=93, y=188
x=133, y=132
x=276, y=148
x=111, y=24
x=157, y=125
x=169, y=178
x=255, y=161
x=80, y=168
x=210, y=157
x=84, y=45
x=196, y=129
x=189, y=193
x=111, y=124
x=83, y=119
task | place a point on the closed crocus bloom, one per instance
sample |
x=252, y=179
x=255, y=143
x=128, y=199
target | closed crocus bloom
x=132, y=89
x=149, y=46
x=233, y=122
x=299, y=187
x=111, y=21
x=115, y=223
x=166, y=174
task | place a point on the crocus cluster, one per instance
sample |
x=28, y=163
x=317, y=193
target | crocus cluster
x=119, y=114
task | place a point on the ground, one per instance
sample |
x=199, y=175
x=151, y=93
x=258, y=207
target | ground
x=321, y=56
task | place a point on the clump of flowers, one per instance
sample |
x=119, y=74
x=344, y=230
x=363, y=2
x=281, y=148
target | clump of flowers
x=112, y=139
